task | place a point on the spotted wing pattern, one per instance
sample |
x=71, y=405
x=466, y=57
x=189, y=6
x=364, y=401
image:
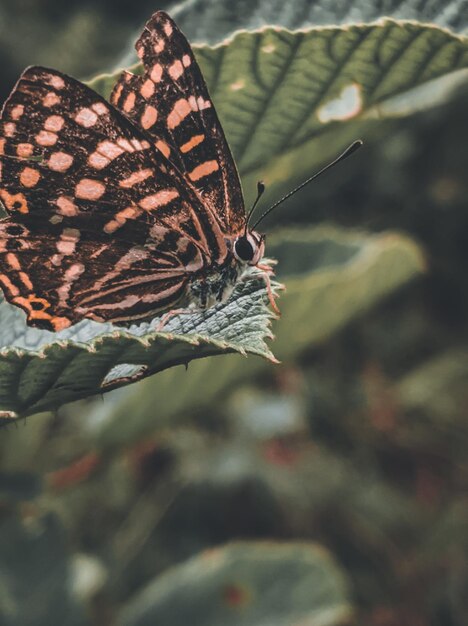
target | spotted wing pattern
x=100, y=223
x=170, y=101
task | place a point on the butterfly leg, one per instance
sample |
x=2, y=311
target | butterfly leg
x=266, y=272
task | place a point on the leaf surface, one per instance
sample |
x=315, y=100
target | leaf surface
x=331, y=276
x=246, y=584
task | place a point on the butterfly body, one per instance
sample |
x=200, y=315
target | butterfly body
x=119, y=211
x=214, y=285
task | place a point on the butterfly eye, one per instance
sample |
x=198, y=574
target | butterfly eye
x=243, y=249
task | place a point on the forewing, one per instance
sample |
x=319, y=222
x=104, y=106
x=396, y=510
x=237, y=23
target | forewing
x=100, y=223
x=171, y=103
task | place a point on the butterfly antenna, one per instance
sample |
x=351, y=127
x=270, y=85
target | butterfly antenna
x=349, y=150
x=260, y=190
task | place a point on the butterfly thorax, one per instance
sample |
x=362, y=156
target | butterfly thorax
x=211, y=287
x=216, y=283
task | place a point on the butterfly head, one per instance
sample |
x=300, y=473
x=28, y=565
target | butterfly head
x=249, y=248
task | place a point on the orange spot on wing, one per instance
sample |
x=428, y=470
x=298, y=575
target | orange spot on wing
x=98, y=161
x=203, y=104
x=60, y=161
x=147, y=89
x=86, y=117
x=66, y=206
x=8, y=285
x=57, y=82
x=113, y=150
x=54, y=123
x=125, y=145
x=105, y=152
x=176, y=70
x=161, y=198
x=117, y=93
x=129, y=102
x=179, y=112
x=9, y=129
x=149, y=117
x=163, y=147
x=24, y=150
x=59, y=323
x=46, y=138
x=135, y=178
x=194, y=141
x=50, y=99
x=159, y=45
x=89, y=189
x=120, y=219
x=36, y=310
x=156, y=73
x=27, y=303
x=25, y=280
x=100, y=108
x=14, y=201
x=208, y=167
x=17, y=112
x=29, y=177
x=12, y=261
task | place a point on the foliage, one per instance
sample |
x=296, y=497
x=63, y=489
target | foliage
x=344, y=464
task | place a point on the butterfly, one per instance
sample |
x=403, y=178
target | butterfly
x=119, y=211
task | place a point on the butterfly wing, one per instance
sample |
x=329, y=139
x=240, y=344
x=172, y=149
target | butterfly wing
x=171, y=102
x=100, y=224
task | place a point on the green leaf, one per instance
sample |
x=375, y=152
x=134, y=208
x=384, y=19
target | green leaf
x=246, y=584
x=18, y=486
x=35, y=574
x=267, y=86
x=40, y=370
x=431, y=396
x=211, y=20
x=331, y=276
x=290, y=100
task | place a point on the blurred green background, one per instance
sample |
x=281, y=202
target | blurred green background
x=348, y=458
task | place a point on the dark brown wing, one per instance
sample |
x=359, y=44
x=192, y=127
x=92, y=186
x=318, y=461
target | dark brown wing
x=100, y=223
x=171, y=103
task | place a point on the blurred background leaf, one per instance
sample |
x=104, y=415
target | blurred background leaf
x=209, y=20
x=35, y=573
x=290, y=100
x=247, y=583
